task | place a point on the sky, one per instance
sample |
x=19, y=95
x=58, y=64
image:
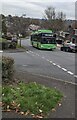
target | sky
x=36, y=8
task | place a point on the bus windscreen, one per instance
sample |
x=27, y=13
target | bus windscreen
x=46, y=35
x=48, y=40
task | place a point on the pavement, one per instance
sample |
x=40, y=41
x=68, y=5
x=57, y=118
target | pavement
x=67, y=107
x=14, y=50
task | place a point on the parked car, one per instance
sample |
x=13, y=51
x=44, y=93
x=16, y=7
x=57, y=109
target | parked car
x=69, y=47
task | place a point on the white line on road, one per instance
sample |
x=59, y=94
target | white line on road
x=43, y=57
x=1, y=51
x=58, y=66
x=34, y=53
x=27, y=52
x=73, y=83
x=24, y=65
x=50, y=61
x=75, y=76
x=69, y=72
x=64, y=69
x=31, y=51
x=54, y=63
x=47, y=60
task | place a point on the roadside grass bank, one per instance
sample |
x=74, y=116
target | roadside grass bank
x=2, y=40
x=4, y=44
x=21, y=47
x=17, y=49
x=30, y=98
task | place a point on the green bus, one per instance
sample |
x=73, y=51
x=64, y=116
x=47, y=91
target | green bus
x=43, y=39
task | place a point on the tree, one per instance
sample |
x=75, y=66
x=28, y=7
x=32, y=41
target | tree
x=61, y=16
x=3, y=22
x=54, y=20
x=50, y=13
x=74, y=24
x=18, y=25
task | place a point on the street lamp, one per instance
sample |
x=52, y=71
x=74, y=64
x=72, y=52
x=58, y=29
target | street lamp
x=20, y=39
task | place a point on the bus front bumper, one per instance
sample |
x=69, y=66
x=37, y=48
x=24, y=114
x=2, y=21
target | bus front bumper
x=48, y=46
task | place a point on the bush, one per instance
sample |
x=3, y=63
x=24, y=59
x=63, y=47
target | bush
x=13, y=45
x=4, y=45
x=7, y=69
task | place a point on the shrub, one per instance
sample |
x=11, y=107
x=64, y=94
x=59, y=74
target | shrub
x=4, y=45
x=7, y=69
x=13, y=45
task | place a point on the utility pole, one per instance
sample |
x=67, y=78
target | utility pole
x=20, y=39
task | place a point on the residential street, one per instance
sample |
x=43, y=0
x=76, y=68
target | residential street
x=50, y=68
x=38, y=59
x=52, y=64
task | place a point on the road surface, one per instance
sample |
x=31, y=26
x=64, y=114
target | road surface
x=53, y=64
x=36, y=65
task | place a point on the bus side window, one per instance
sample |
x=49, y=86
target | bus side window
x=31, y=37
x=34, y=38
x=39, y=37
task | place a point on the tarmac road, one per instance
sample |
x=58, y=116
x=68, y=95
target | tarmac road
x=50, y=68
x=53, y=64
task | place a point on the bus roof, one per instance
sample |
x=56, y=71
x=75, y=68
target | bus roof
x=42, y=31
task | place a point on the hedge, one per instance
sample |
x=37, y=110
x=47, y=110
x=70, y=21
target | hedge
x=7, y=69
x=7, y=45
x=3, y=43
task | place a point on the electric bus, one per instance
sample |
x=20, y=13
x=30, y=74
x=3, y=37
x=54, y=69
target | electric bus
x=43, y=39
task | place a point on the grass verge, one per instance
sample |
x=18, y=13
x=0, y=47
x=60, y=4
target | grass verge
x=31, y=98
x=2, y=40
x=22, y=47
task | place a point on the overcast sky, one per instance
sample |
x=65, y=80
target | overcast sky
x=35, y=8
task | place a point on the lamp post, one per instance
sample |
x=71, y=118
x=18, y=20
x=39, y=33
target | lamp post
x=20, y=39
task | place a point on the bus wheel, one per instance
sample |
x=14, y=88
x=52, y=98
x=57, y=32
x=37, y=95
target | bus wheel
x=37, y=46
x=32, y=43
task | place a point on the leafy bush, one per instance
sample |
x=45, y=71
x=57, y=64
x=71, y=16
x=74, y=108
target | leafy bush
x=7, y=69
x=3, y=43
x=13, y=45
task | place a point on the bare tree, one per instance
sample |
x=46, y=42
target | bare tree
x=50, y=13
x=74, y=24
x=61, y=15
x=54, y=20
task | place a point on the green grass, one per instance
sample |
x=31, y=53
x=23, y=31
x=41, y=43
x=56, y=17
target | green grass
x=2, y=40
x=32, y=96
x=21, y=47
x=18, y=46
